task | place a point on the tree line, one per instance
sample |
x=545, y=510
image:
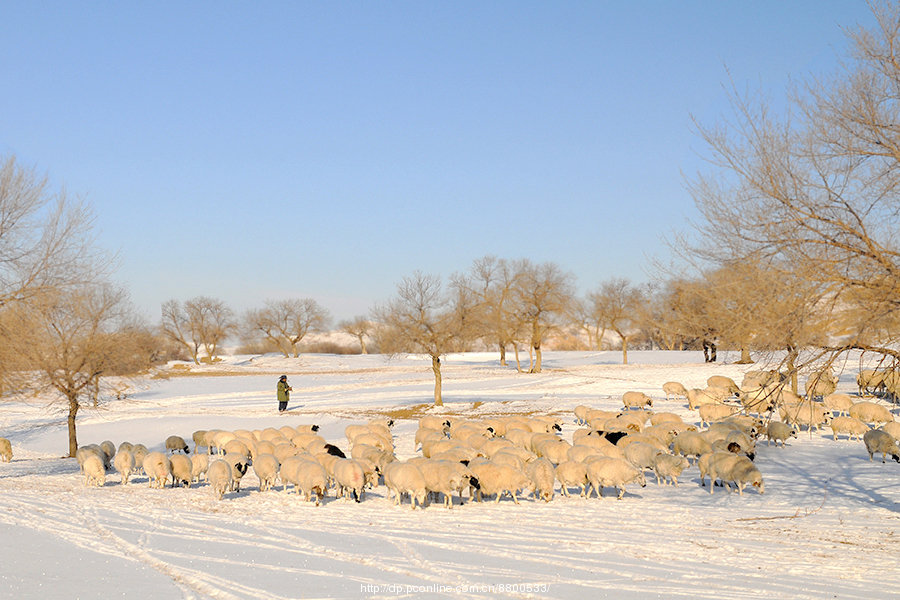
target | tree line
x=797, y=248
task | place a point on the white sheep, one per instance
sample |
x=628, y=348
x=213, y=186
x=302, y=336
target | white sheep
x=852, y=427
x=821, y=384
x=497, y=480
x=811, y=414
x=5, y=449
x=446, y=477
x=265, y=466
x=140, y=452
x=174, y=443
x=199, y=466
x=199, y=439
x=219, y=477
x=724, y=383
x=715, y=412
x=636, y=400
x=572, y=473
x=870, y=381
x=839, y=403
x=641, y=455
x=109, y=449
x=697, y=397
x=737, y=469
x=542, y=475
x=406, y=478
x=880, y=441
x=237, y=446
x=613, y=472
x=181, y=470
x=674, y=390
x=307, y=476
x=665, y=417
x=158, y=469
x=94, y=471
x=124, y=464
x=778, y=431
x=759, y=400
x=668, y=466
x=691, y=444
x=892, y=428
x=869, y=412
x=350, y=477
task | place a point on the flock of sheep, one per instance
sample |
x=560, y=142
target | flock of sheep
x=512, y=455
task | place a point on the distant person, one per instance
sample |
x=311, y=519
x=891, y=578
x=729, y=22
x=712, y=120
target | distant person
x=284, y=393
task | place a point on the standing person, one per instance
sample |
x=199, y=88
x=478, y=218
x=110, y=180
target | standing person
x=284, y=393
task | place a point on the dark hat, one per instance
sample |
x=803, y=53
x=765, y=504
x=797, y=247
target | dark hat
x=283, y=377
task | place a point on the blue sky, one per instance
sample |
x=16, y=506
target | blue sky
x=249, y=151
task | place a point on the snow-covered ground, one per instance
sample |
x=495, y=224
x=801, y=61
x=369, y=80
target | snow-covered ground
x=827, y=525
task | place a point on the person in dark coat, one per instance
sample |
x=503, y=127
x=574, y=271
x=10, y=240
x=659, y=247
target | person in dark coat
x=284, y=393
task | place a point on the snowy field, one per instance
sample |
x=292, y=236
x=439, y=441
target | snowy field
x=828, y=524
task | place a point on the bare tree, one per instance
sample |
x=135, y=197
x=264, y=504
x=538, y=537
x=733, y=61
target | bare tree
x=492, y=281
x=45, y=242
x=359, y=327
x=69, y=340
x=200, y=321
x=287, y=322
x=542, y=296
x=424, y=317
x=178, y=327
x=619, y=303
x=813, y=194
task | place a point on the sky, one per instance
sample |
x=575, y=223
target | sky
x=326, y=150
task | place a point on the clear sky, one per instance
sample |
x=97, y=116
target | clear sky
x=249, y=151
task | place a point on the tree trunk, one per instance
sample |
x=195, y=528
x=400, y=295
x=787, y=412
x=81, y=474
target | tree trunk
x=362, y=345
x=745, y=356
x=436, y=367
x=792, y=370
x=502, y=354
x=536, y=368
x=73, y=410
x=518, y=362
x=624, y=349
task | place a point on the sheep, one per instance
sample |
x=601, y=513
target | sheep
x=199, y=439
x=696, y=397
x=746, y=443
x=572, y=473
x=820, y=384
x=724, y=383
x=265, y=466
x=613, y=472
x=892, y=429
x=433, y=422
x=880, y=441
x=665, y=417
x=199, y=466
x=542, y=474
x=158, y=469
x=181, y=470
x=668, y=466
x=852, y=427
x=778, y=431
x=869, y=412
x=691, y=443
x=581, y=413
x=307, y=476
x=350, y=478
x=124, y=463
x=140, y=452
x=715, y=412
x=406, y=478
x=237, y=446
x=758, y=400
x=636, y=400
x=445, y=477
x=219, y=477
x=497, y=480
x=174, y=443
x=870, y=381
x=758, y=379
x=734, y=468
x=836, y=402
x=811, y=414
x=554, y=451
x=94, y=471
x=5, y=450
x=109, y=449
x=425, y=434
x=641, y=454
x=239, y=465
x=674, y=390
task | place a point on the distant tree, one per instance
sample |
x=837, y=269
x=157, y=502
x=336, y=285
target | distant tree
x=542, y=295
x=360, y=327
x=286, y=322
x=619, y=304
x=491, y=281
x=178, y=326
x=424, y=317
x=69, y=340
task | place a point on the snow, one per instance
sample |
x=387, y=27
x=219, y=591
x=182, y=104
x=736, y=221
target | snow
x=826, y=526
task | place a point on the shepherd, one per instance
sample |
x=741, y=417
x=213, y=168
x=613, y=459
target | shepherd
x=284, y=393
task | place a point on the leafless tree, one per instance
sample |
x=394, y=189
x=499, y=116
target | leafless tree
x=492, y=281
x=287, y=322
x=361, y=328
x=618, y=304
x=812, y=194
x=178, y=327
x=200, y=321
x=424, y=317
x=542, y=296
x=45, y=239
x=69, y=340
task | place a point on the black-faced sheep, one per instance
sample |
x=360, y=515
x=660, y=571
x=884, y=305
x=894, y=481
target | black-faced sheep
x=175, y=443
x=181, y=470
x=878, y=441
